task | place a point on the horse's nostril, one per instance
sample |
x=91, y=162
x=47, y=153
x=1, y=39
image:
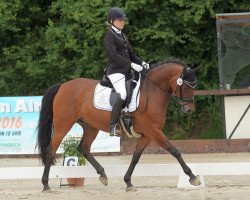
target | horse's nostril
x=189, y=111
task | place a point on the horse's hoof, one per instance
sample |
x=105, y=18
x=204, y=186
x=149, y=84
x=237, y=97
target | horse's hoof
x=195, y=181
x=104, y=180
x=46, y=189
x=131, y=189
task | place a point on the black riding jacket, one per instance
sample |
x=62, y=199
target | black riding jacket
x=120, y=53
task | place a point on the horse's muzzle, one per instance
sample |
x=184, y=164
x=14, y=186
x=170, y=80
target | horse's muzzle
x=188, y=108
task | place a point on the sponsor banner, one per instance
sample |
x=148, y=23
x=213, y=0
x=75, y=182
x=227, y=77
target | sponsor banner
x=18, y=121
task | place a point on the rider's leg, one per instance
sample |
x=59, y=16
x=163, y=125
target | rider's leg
x=118, y=81
x=115, y=114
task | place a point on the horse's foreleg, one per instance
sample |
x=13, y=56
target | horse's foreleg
x=174, y=152
x=140, y=146
x=163, y=142
x=89, y=136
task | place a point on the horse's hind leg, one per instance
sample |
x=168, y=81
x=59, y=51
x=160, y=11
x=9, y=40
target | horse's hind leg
x=89, y=136
x=164, y=143
x=140, y=146
x=58, y=135
x=47, y=164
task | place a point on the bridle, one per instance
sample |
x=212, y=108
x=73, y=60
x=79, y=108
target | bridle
x=180, y=82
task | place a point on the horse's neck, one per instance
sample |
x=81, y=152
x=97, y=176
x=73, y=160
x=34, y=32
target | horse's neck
x=156, y=91
x=162, y=75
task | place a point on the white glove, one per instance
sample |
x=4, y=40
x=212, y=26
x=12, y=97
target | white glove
x=136, y=67
x=145, y=65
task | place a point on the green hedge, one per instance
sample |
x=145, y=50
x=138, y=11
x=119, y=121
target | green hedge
x=43, y=43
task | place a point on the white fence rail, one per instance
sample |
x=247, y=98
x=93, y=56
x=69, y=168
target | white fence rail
x=202, y=169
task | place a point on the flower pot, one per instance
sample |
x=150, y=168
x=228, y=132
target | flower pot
x=75, y=182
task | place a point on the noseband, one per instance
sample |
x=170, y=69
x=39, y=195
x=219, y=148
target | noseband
x=180, y=82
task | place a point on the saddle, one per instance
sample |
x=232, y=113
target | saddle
x=130, y=83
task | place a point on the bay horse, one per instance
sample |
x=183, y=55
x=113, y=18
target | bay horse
x=65, y=104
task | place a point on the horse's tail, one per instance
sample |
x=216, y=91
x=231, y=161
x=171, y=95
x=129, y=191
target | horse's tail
x=45, y=123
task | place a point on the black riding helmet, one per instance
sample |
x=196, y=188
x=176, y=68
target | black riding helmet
x=116, y=13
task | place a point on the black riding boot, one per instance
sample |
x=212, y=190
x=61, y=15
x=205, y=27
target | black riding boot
x=115, y=113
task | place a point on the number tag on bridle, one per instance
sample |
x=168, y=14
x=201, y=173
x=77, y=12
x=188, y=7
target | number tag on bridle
x=179, y=81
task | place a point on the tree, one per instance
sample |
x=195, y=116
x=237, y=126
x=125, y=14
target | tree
x=44, y=42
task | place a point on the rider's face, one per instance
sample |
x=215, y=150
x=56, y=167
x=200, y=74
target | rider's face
x=119, y=23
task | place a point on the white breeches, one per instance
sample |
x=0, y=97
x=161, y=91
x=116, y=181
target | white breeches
x=118, y=81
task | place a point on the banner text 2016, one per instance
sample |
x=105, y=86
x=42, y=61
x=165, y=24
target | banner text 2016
x=10, y=122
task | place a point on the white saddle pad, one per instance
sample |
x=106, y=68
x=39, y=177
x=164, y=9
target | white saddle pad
x=102, y=95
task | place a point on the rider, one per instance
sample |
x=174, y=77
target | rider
x=121, y=59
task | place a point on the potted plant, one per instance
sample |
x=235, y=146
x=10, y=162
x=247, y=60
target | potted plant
x=69, y=146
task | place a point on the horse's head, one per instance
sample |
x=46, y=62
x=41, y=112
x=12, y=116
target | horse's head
x=183, y=88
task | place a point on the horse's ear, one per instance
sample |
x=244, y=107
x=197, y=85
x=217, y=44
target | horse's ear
x=186, y=71
x=197, y=69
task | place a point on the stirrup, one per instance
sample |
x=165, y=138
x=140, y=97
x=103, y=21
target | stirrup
x=114, y=131
x=127, y=122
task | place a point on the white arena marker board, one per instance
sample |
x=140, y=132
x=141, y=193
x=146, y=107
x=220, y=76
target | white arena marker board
x=183, y=181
